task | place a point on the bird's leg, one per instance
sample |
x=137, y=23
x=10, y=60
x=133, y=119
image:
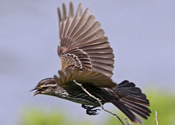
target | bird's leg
x=87, y=107
x=90, y=109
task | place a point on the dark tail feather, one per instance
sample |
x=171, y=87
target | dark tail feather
x=131, y=101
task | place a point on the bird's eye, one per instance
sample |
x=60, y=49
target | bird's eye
x=43, y=88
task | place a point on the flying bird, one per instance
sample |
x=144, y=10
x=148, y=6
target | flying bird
x=88, y=59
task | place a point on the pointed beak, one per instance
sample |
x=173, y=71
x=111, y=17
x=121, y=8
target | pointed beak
x=36, y=92
x=34, y=89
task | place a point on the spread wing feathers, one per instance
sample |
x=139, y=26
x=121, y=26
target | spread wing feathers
x=81, y=33
x=84, y=77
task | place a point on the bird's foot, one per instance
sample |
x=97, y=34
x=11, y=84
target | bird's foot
x=90, y=110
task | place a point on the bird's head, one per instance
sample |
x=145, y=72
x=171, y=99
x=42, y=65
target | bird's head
x=46, y=86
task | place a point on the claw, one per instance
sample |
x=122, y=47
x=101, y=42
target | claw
x=92, y=112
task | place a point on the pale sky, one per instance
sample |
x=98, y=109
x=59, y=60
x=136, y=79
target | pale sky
x=141, y=33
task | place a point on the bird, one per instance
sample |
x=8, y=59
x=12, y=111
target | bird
x=88, y=59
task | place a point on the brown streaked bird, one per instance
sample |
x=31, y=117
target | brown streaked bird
x=87, y=58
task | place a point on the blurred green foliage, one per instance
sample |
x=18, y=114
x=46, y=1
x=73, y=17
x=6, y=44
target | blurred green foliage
x=161, y=102
x=38, y=117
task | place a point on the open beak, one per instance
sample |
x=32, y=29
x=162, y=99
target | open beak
x=36, y=92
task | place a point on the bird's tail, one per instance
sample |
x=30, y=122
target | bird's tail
x=131, y=101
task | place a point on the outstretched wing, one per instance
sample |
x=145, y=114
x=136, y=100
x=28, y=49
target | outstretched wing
x=83, y=77
x=82, y=42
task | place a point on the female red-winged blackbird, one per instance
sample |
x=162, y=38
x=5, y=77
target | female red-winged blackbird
x=88, y=59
